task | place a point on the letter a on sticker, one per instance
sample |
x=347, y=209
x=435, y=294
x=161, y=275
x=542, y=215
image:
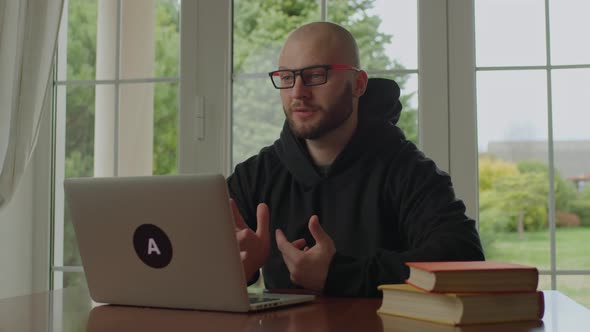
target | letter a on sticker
x=153, y=247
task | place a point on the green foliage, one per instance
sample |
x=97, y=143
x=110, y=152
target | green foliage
x=532, y=166
x=565, y=191
x=166, y=95
x=521, y=195
x=511, y=191
x=80, y=99
x=508, y=195
x=492, y=169
x=581, y=207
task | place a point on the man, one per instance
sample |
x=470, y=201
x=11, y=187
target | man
x=342, y=199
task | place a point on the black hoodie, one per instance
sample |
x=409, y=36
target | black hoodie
x=381, y=201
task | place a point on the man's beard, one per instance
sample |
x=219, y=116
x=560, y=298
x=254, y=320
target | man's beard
x=332, y=118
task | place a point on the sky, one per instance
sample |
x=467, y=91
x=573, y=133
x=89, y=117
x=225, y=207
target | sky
x=512, y=105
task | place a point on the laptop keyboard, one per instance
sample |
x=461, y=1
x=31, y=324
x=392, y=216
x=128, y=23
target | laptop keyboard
x=257, y=298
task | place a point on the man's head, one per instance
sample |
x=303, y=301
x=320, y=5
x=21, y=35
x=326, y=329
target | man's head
x=315, y=111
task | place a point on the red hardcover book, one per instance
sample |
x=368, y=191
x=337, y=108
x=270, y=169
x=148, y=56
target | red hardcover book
x=473, y=277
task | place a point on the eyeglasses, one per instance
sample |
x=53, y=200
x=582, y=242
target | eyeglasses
x=310, y=76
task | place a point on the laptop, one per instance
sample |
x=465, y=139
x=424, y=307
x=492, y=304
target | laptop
x=163, y=241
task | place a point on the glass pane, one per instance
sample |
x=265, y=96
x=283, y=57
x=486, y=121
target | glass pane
x=74, y=279
x=373, y=36
x=510, y=33
x=396, y=38
x=511, y=107
x=82, y=38
x=260, y=28
x=576, y=287
x=167, y=38
x=255, y=124
x=408, y=121
x=79, y=151
x=165, y=128
x=513, y=182
x=569, y=31
x=572, y=163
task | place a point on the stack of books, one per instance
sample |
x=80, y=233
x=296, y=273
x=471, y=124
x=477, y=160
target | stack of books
x=462, y=293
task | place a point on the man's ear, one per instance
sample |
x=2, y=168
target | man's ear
x=360, y=83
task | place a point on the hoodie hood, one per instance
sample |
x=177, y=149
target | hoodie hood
x=379, y=109
x=380, y=101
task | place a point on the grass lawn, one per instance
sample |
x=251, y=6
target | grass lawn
x=573, y=253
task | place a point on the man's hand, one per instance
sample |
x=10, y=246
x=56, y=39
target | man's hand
x=254, y=247
x=308, y=266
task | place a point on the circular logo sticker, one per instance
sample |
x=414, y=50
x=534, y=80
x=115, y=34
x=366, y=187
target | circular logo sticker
x=152, y=246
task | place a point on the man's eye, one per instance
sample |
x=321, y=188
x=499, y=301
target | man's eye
x=286, y=78
x=316, y=75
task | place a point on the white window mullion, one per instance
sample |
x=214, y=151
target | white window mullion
x=59, y=157
x=204, y=126
x=105, y=104
x=463, y=151
x=135, y=102
x=433, y=114
x=447, y=116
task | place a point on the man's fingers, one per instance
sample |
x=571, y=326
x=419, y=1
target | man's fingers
x=289, y=251
x=238, y=220
x=243, y=255
x=299, y=244
x=241, y=235
x=317, y=231
x=262, y=216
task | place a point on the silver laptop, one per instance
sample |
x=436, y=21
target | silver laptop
x=162, y=241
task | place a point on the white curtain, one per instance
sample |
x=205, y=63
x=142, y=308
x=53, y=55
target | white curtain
x=28, y=36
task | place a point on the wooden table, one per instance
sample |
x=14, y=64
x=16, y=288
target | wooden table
x=71, y=310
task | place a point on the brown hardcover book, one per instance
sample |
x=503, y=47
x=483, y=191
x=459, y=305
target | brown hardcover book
x=480, y=276
x=461, y=308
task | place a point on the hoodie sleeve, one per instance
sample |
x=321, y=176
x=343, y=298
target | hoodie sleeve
x=432, y=222
x=241, y=186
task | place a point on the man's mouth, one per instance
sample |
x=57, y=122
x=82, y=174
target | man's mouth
x=303, y=112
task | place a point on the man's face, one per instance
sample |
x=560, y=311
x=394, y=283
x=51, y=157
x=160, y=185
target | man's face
x=314, y=111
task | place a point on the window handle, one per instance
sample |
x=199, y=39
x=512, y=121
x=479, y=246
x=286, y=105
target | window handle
x=200, y=118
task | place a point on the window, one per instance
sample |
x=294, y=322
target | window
x=530, y=137
x=117, y=88
x=533, y=71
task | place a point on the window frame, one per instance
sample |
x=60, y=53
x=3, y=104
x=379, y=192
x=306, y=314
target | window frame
x=447, y=123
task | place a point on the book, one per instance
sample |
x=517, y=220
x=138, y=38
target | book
x=461, y=308
x=393, y=323
x=471, y=276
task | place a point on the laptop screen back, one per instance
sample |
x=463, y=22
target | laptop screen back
x=163, y=241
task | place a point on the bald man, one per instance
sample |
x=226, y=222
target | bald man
x=342, y=200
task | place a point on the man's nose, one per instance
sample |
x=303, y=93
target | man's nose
x=300, y=90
